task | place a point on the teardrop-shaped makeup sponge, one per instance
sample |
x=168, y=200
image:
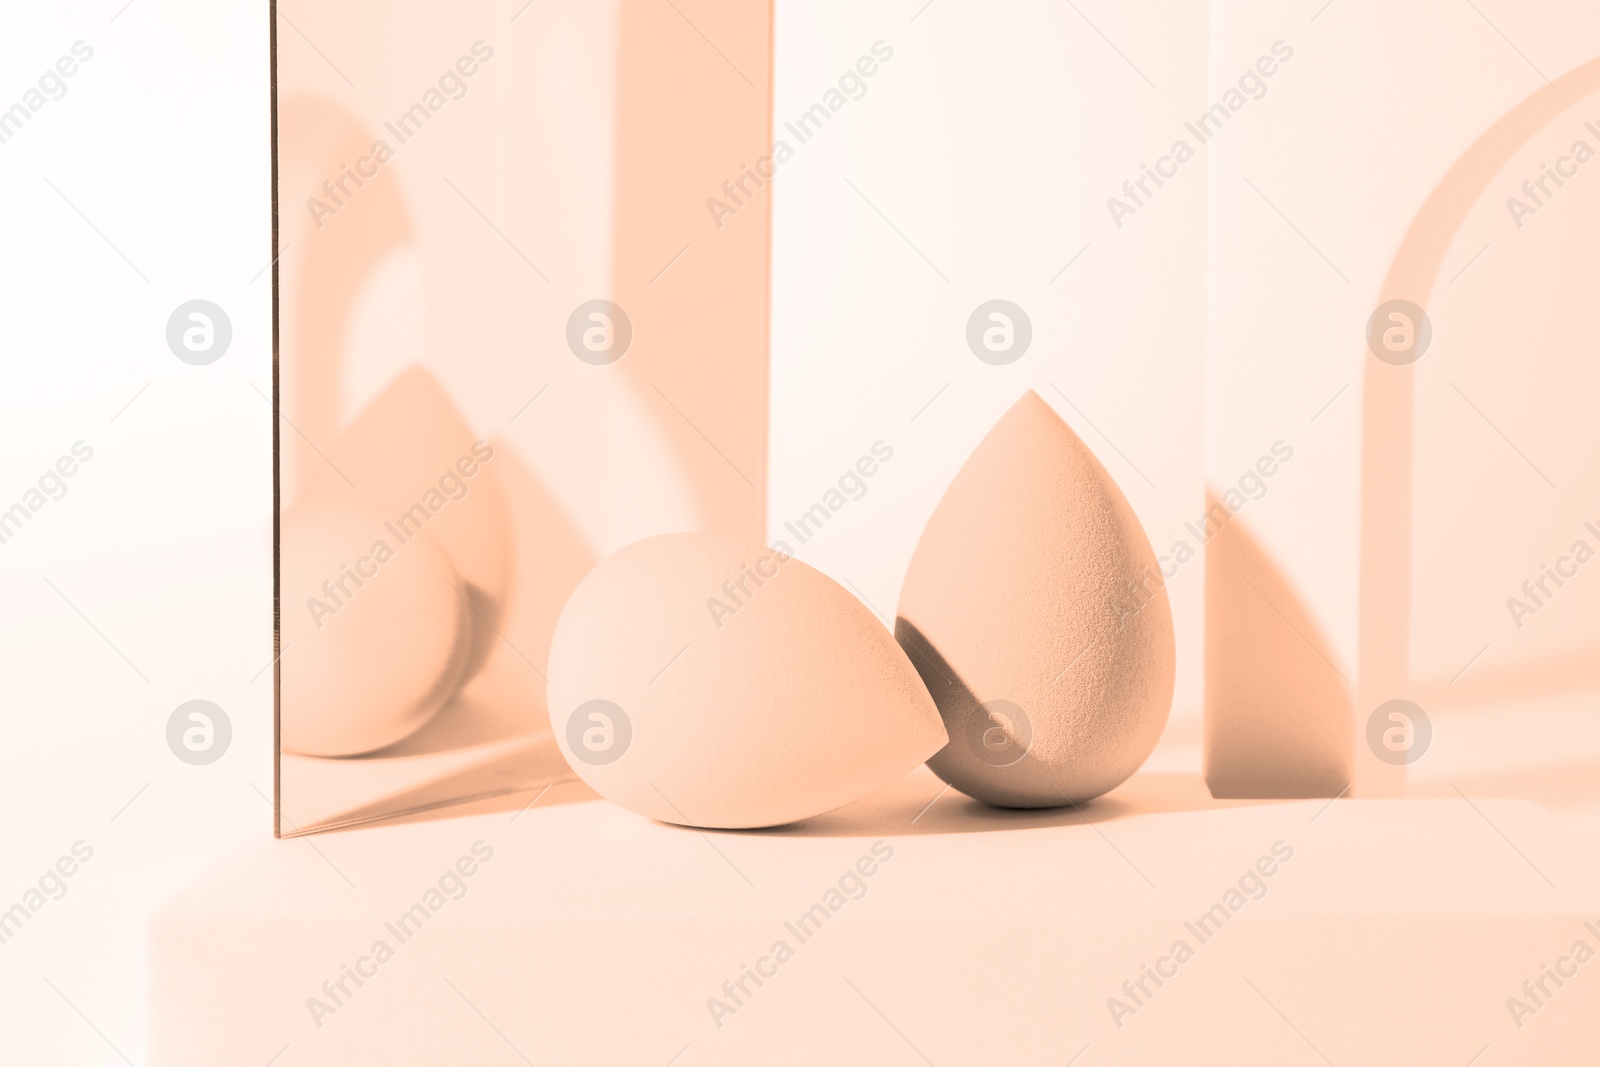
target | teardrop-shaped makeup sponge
x=417, y=461
x=1034, y=611
x=700, y=680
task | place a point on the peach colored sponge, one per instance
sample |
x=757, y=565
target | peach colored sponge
x=374, y=634
x=1034, y=611
x=700, y=680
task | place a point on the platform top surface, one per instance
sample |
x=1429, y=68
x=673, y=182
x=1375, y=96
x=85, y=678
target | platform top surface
x=1159, y=844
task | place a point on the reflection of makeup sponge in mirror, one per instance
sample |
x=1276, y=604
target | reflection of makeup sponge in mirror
x=373, y=631
x=412, y=457
x=1035, y=612
x=700, y=680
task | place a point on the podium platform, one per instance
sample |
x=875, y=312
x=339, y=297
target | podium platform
x=915, y=927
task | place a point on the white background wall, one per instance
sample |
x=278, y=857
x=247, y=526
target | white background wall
x=149, y=582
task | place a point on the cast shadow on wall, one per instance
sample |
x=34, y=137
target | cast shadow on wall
x=1280, y=716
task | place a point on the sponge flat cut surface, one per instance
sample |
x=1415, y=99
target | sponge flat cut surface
x=1034, y=611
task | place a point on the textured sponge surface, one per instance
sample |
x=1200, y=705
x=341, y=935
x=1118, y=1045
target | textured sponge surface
x=1034, y=611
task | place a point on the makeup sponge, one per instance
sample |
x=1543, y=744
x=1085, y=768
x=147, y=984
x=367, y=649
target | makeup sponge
x=411, y=456
x=700, y=680
x=1035, y=612
x=375, y=635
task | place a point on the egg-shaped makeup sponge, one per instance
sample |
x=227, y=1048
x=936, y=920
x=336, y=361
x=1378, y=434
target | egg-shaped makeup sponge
x=700, y=680
x=418, y=463
x=374, y=630
x=1035, y=612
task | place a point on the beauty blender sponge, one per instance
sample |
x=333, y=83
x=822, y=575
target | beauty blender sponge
x=1035, y=612
x=375, y=636
x=702, y=680
x=411, y=456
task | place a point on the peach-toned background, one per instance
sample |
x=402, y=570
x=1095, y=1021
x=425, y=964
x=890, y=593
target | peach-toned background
x=157, y=558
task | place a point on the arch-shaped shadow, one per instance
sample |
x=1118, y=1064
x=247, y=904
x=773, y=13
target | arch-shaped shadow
x=1384, y=614
x=330, y=271
x=1253, y=660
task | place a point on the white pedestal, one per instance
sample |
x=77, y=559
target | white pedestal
x=1394, y=934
